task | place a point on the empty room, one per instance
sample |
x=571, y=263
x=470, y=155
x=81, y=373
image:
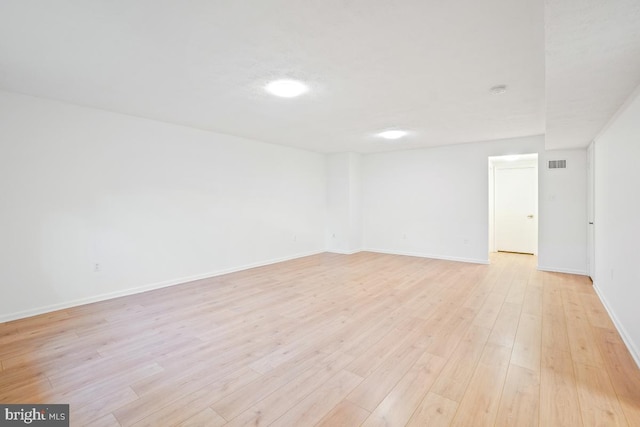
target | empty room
x=305, y=213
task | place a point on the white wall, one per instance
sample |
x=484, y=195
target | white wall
x=433, y=202
x=344, y=207
x=563, y=212
x=617, y=221
x=155, y=204
x=355, y=197
x=152, y=203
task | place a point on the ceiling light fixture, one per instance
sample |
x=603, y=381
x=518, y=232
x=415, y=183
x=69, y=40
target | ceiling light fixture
x=498, y=90
x=392, y=134
x=286, y=88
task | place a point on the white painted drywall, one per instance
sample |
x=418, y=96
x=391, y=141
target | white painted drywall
x=433, y=202
x=355, y=199
x=151, y=203
x=617, y=221
x=563, y=212
x=155, y=204
x=344, y=207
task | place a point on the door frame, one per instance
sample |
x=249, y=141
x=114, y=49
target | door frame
x=591, y=211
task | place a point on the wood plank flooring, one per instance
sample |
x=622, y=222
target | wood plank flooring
x=335, y=340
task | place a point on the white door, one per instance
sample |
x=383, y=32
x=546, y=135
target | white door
x=591, y=252
x=516, y=222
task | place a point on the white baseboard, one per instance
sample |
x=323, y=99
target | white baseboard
x=131, y=291
x=621, y=330
x=423, y=255
x=563, y=270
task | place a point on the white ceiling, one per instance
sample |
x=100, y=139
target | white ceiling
x=592, y=66
x=422, y=65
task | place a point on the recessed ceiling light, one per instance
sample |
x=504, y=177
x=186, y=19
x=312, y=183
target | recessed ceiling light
x=392, y=134
x=286, y=88
x=499, y=89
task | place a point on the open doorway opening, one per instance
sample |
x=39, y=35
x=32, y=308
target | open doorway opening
x=513, y=204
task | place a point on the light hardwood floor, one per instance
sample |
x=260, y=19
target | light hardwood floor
x=331, y=340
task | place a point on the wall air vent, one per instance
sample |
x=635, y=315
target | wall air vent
x=557, y=164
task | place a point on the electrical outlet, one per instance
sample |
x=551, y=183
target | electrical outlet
x=96, y=267
x=295, y=237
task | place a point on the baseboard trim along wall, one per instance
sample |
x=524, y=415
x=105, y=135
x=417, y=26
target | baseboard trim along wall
x=422, y=255
x=623, y=333
x=562, y=270
x=102, y=297
x=178, y=281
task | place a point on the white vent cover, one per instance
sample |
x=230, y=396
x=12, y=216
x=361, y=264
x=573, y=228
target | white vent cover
x=557, y=164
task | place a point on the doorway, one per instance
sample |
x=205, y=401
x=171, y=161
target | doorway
x=513, y=204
